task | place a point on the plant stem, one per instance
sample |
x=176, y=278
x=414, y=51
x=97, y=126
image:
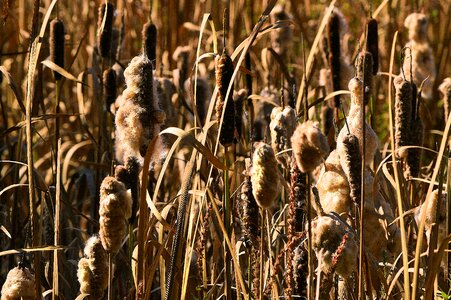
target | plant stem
x=227, y=265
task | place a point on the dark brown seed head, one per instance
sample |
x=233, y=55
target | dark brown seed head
x=333, y=42
x=414, y=154
x=109, y=87
x=372, y=43
x=403, y=114
x=57, y=44
x=149, y=39
x=238, y=101
x=105, y=29
x=353, y=161
x=224, y=72
x=364, y=65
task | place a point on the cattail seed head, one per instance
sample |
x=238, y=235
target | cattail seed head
x=445, y=89
x=19, y=284
x=283, y=123
x=416, y=135
x=309, y=146
x=239, y=102
x=282, y=38
x=105, y=28
x=109, y=87
x=372, y=43
x=265, y=176
x=352, y=166
x=115, y=209
x=364, y=66
x=57, y=44
x=203, y=96
x=250, y=212
x=333, y=42
x=224, y=71
x=149, y=40
x=334, y=244
x=403, y=114
x=93, y=269
x=181, y=56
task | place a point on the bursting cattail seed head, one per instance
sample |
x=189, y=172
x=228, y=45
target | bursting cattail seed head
x=372, y=43
x=19, y=284
x=364, y=66
x=57, y=44
x=445, y=89
x=224, y=72
x=403, y=114
x=309, y=145
x=109, y=87
x=352, y=165
x=430, y=209
x=93, y=269
x=282, y=38
x=283, y=123
x=149, y=40
x=114, y=210
x=105, y=28
x=265, y=176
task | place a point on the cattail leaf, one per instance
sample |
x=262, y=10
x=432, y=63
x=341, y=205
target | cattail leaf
x=5, y=231
x=191, y=140
x=30, y=250
x=156, y=213
x=54, y=67
x=13, y=86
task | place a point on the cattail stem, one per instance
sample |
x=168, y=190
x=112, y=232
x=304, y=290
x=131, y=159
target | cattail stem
x=309, y=239
x=57, y=119
x=227, y=265
x=55, y=294
x=262, y=242
x=110, y=276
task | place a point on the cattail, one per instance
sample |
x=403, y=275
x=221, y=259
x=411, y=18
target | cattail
x=109, y=88
x=282, y=38
x=309, y=146
x=352, y=166
x=93, y=269
x=283, y=123
x=333, y=42
x=445, y=89
x=334, y=244
x=167, y=92
x=238, y=102
x=355, y=124
x=129, y=176
x=327, y=118
x=265, y=176
x=372, y=43
x=181, y=56
x=203, y=96
x=300, y=267
x=413, y=161
x=403, y=114
x=364, y=66
x=19, y=284
x=149, y=40
x=115, y=209
x=139, y=116
x=258, y=132
x=224, y=71
x=105, y=28
x=57, y=44
x=333, y=186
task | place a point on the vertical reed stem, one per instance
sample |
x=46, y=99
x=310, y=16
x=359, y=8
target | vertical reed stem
x=55, y=294
x=227, y=273
x=110, y=276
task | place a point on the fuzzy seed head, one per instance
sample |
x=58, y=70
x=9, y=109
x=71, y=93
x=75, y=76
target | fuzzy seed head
x=239, y=102
x=416, y=135
x=364, y=66
x=105, y=33
x=445, y=89
x=19, y=284
x=265, y=176
x=309, y=145
x=283, y=123
x=334, y=244
x=353, y=166
x=115, y=209
x=149, y=38
x=430, y=209
x=249, y=213
x=281, y=39
x=403, y=114
x=417, y=24
x=57, y=44
x=224, y=71
x=372, y=43
x=109, y=88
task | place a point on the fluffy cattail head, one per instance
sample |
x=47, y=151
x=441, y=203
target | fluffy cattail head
x=19, y=284
x=310, y=146
x=109, y=87
x=93, y=269
x=57, y=44
x=238, y=102
x=403, y=114
x=353, y=166
x=334, y=244
x=249, y=213
x=372, y=43
x=416, y=23
x=333, y=42
x=224, y=72
x=265, y=176
x=114, y=210
x=445, y=89
x=105, y=28
x=281, y=39
x=364, y=65
x=283, y=123
x=149, y=37
x=430, y=209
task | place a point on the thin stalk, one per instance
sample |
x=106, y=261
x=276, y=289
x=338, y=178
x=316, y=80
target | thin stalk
x=110, y=276
x=55, y=294
x=405, y=252
x=262, y=241
x=57, y=120
x=227, y=273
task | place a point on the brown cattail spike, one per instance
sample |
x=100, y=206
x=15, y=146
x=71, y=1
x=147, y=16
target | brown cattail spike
x=239, y=101
x=57, y=45
x=149, y=37
x=364, y=65
x=333, y=42
x=372, y=43
x=403, y=114
x=105, y=29
x=224, y=72
x=109, y=87
x=353, y=161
